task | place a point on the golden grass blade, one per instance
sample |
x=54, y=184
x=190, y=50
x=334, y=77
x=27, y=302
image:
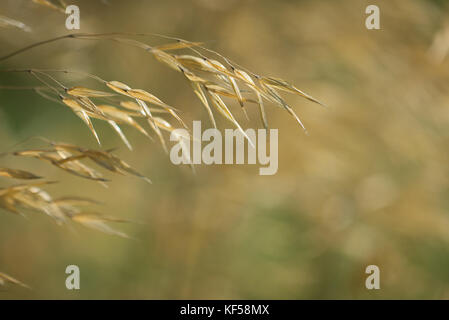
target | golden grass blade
x=131, y=105
x=4, y=279
x=200, y=93
x=81, y=170
x=82, y=103
x=195, y=63
x=20, y=187
x=143, y=95
x=30, y=196
x=31, y=153
x=222, y=71
x=8, y=203
x=85, y=117
x=152, y=124
x=37, y=199
x=71, y=103
x=193, y=77
x=50, y=5
x=115, y=115
x=118, y=87
x=89, y=105
x=75, y=201
x=112, y=163
x=71, y=164
x=98, y=222
x=178, y=45
x=8, y=22
x=250, y=83
x=66, y=161
x=180, y=138
x=148, y=97
x=175, y=115
x=166, y=58
x=121, y=116
x=104, y=159
x=215, y=88
x=275, y=97
x=262, y=113
x=119, y=131
x=285, y=86
x=236, y=89
x=87, y=93
x=223, y=109
x=211, y=66
x=17, y=174
x=217, y=65
x=137, y=94
x=226, y=93
x=145, y=109
x=124, y=167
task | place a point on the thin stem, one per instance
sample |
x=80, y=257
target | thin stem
x=46, y=96
x=86, y=36
x=57, y=70
x=44, y=82
x=21, y=87
x=51, y=78
x=75, y=72
x=37, y=44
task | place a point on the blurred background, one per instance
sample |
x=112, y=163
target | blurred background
x=369, y=185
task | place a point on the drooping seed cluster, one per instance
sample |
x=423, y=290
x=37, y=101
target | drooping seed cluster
x=215, y=81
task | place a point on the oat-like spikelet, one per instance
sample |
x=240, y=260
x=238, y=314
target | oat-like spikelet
x=68, y=157
x=6, y=279
x=17, y=174
x=90, y=104
x=32, y=197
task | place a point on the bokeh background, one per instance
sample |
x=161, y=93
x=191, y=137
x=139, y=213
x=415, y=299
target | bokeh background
x=369, y=185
